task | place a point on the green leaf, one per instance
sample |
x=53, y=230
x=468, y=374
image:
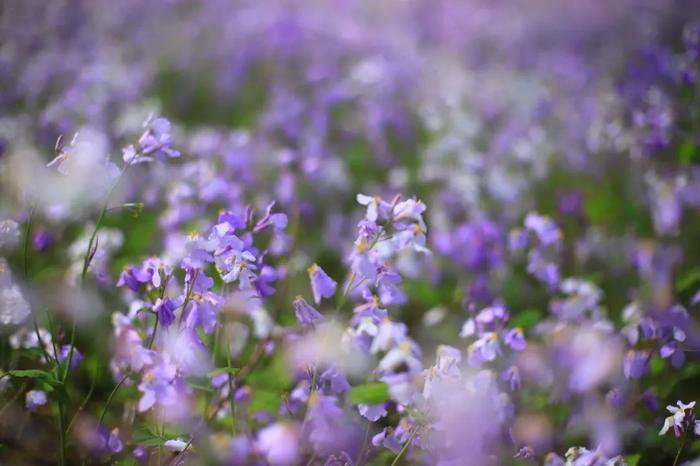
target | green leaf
x=688, y=280
x=201, y=388
x=223, y=370
x=633, y=460
x=32, y=374
x=526, y=319
x=687, y=152
x=147, y=437
x=371, y=393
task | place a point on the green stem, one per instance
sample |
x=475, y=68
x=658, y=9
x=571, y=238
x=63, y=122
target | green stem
x=61, y=434
x=153, y=335
x=109, y=399
x=678, y=453
x=27, y=233
x=86, y=263
x=85, y=401
x=405, y=446
x=231, y=393
x=344, y=296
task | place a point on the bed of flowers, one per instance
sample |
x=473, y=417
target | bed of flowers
x=350, y=233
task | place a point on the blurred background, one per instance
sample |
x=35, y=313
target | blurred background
x=585, y=112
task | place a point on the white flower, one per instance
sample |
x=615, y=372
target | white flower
x=677, y=418
x=9, y=234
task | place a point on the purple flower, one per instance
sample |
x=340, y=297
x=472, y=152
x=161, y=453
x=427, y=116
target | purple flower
x=544, y=228
x=34, y=399
x=42, y=240
x=372, y=412
x=335, y=381
x=322, y=286
x=64, y=354
x=512, y=376
x=279, y=444
x=485, y=349
x=636, y=364
x=515, y=339
x=165, y=308
x=376, y=207
x=157, y=139
x=305, y=314
x=157, y=386
x=673, y=353
x=277, y=221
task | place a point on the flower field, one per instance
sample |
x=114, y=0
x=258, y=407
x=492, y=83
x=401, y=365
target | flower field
x=350, y=232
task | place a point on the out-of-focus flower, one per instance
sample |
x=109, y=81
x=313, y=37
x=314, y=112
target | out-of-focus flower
x=156, y=140
x=305, y=314
x=64, y=354
x=279, y=443
x=9, y=234
x=14, y=307
x=34, y=399
x=157, y=386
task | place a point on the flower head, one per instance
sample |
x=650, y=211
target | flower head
x=682, y=419
x=322, y=286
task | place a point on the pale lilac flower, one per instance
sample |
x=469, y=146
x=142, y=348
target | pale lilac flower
x=157, y=386
x=376, y=207
x=305, y=314
x=515, y=339
x=157, y=139
x=322, y=285
x=34, y=399
x=279, y=444
x=372, y=412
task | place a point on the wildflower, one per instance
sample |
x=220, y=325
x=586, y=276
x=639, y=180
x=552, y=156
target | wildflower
x=42, y=240
x=372, y=412
x=485, y=349
x=9, y=234
x=682, y=419
x=64, y=354
x=636, y=364
x=165, y=309
x=279, y=443
x=34, y=399
x=157, y=386
x=515, y=339
x=157, y=139
x=376, y=207
x=277, y=221
x=14, y=307
x=322, y=285
x=305, y=314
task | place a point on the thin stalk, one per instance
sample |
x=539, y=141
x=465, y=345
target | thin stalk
x=86, y=264
x=85, y=401
x=680, y=449
x=61, y=434
x=405, y=447
x=27, y=233
x=360, y=456
x=153, y=335
x=109, y=399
